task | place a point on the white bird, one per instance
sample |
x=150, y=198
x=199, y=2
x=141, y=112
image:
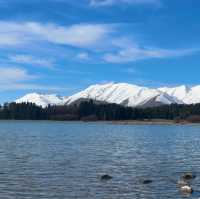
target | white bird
x=186, y=189
x=182, y=183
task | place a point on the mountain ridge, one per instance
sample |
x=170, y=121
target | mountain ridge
x=122, y=93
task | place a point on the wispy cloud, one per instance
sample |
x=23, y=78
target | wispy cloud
x=14, y=75
x=113, y=2
x=78, y=35
x=103, y=40
x=30, y=60
x=83, y=56
x=17, y=78
x=30, y=87
x=130, y=52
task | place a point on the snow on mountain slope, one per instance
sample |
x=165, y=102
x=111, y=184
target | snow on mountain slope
x=122, y=93
x=112, y=93
x=160, y=99
x=41, y=99
x=184, y=94
x=193, y=96
x=177, y=92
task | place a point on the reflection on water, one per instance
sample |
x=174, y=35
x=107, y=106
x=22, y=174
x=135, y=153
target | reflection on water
x=66, y=160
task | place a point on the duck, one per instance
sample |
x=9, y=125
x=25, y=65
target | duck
x=186, y=189
x=182, y=183
x=189, y=176
x=106, y=177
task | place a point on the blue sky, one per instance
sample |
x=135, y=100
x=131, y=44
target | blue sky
x=63, y=46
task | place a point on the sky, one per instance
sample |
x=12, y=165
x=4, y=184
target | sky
x=63, y=46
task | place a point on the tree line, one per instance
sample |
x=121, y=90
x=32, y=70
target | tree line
x=89, y=110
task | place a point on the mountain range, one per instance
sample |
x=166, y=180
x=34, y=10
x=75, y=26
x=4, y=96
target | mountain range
x=121, y=93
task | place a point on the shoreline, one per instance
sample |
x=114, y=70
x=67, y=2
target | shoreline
x=118, y=122
x=152, y=122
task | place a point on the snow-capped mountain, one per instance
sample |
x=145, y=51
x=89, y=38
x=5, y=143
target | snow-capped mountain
x=186, y=95
x=122, y=93
x=41, y=99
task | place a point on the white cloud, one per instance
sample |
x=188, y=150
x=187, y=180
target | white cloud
x=27, y=59
x=83, y=56
x=78, y=35
x=12, y=34
x=14, y=75
x=29, y=86
x=9, y=39
x=100, y=38
x=113, y=2
x=16, y=78
x=137, y=53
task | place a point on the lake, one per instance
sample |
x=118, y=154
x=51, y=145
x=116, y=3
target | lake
x=65, y=160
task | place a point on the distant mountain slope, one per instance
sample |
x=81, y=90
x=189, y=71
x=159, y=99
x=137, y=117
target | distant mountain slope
x=159, y=100
x=188, y=95
x=123, y=94
x=41, y=99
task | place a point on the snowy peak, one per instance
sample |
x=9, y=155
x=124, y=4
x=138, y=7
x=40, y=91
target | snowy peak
x=186, y=95
x=160, y=99
x=111, y=93
x=41, y=99
x=123, y=94
x=179, y=92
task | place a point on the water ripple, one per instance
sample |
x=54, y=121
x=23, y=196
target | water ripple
x=65, y=160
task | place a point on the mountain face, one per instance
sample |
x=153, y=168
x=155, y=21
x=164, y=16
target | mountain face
x=186, y=95
x=123, y=94
x=41, y=99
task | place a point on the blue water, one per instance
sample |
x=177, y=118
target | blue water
x=64, y=160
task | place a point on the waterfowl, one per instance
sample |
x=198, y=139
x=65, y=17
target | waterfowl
x=182, y=183
x=147, y=181
x=189, y=176
x=106, y=177
x=186, y=189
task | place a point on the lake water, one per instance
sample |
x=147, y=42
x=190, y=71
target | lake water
x=64, y=160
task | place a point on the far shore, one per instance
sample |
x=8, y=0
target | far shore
x=123, y=122
x=152, y=122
